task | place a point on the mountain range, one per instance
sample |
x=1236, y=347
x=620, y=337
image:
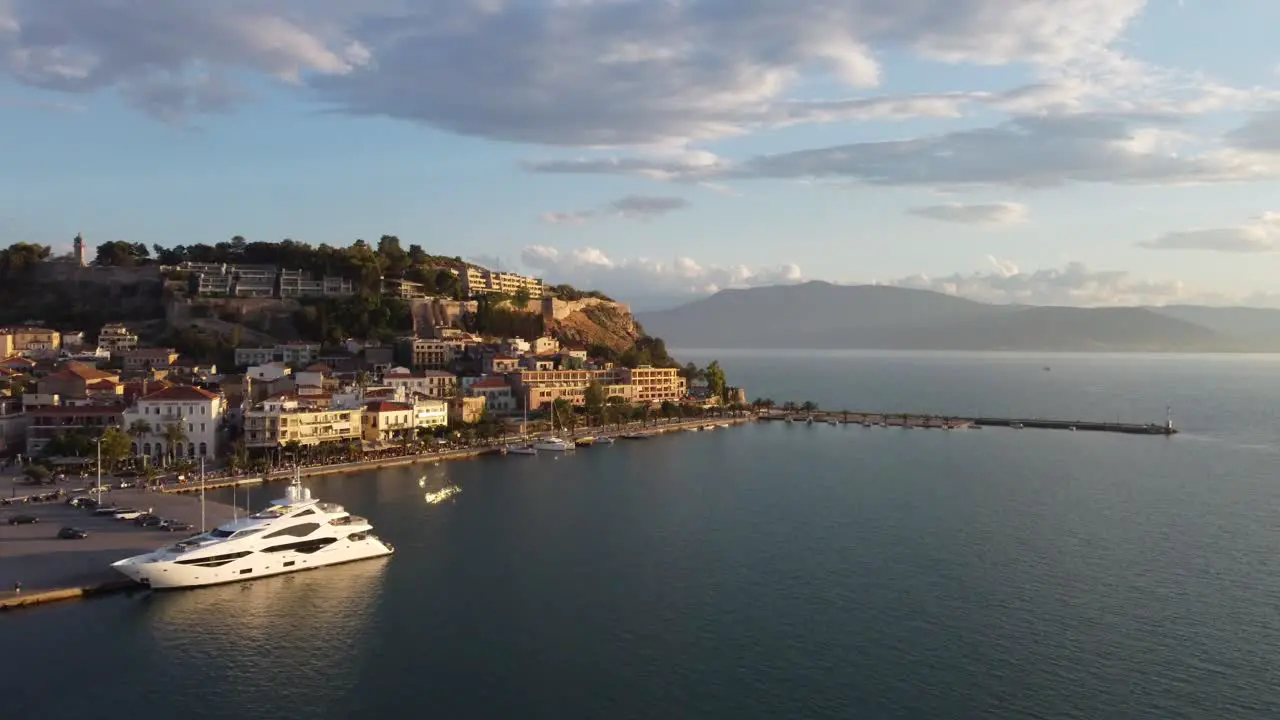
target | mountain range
x=821, y=315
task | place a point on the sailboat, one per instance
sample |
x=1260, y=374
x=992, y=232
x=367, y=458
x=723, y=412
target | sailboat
x=553, y=443
x=525, y=448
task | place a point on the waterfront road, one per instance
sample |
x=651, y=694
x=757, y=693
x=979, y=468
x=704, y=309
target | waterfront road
x=36, y=557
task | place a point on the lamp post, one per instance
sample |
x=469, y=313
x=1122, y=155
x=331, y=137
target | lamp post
x=98, y=443
x=201, y=493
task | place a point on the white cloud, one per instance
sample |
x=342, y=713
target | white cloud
x=588, y=73
x=1026, y=152
x=1260, y=134
x=1261, y=235
x=988, y=214
x=635, y=207
x=643, y=277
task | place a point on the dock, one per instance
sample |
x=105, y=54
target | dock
x=949, y=422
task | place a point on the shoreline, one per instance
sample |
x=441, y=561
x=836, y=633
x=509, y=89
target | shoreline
x=84, y=571
x=468, y=453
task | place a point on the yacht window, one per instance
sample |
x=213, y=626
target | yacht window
x=221, y=534
x=299, y=530
x=246, y=533
x=308, y=511
x=302, y=546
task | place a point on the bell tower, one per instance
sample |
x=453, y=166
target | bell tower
x=77, y=249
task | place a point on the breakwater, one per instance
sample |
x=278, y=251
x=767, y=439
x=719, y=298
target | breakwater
x=951, y=422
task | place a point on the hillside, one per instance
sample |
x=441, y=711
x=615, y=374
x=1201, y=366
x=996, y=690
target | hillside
x=824, y=316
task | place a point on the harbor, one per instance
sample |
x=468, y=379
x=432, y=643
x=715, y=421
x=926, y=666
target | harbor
x=51, y=569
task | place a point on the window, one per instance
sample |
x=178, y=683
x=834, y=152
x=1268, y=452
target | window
x=300, y=530
x=204, y=450
x=305, y=513
x=215, y=560
x=202, y=412
x=302, y=546
x=201, y=430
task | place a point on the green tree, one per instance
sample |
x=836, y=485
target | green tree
x=174, y=435
x=114, y=444
x=593, y=398
x=715, y=379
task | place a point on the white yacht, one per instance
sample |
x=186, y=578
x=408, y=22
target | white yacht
x=553, y=444
x=296, y=532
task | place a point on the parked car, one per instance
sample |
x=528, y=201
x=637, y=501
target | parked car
x=23, y=520
x=127, y=514
x=174, y=525
x=148, y=521
x=125, y=484
x=70, y=533
x=82, y=501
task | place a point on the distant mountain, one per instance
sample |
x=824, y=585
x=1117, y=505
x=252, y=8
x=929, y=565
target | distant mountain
x=821, y=315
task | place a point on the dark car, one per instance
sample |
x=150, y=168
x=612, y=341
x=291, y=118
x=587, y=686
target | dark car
x=70, y=533
x=174, y=525
x=148, y=521
x=23, y=520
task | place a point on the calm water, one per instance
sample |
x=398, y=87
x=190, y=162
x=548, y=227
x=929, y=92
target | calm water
x=770, y=571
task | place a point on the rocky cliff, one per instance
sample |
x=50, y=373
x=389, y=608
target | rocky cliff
x=601, y=323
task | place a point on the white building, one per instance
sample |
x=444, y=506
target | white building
x=498, y=395
x=432, y=383
x=197, y=412
x=269, y=372
x=428, y=413
x=254, y=356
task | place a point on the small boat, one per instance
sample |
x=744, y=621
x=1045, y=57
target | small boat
x=866, y=423
x=695, y=428
x=635, y=436
x=553, y=444
x=809, y=420
x=521, y=450
x=587, y=441
x=1016, y=426
x=1072, y=428
x=833, y=423
x=605, y=440
x=723, y=425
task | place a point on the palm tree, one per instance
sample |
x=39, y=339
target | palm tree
x=139, y=429
x=174, y=436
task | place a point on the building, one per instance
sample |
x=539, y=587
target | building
x=464, y=409
x=46, y=423
x=500, y=364
x=13, y=426
x=116, y=339
x=545, y=345
x=195, y=411
x=423, y=353
x=143, y=359
x=298, y=353
x=431, y=383
x=498, y=396
x=262, y=281
x=278, y=421
x=30, y=340
x=77, y=250
x=429, y=413
x=72, y=340
x=245, y=357
x=72, y=381
x=387, y=422
x=480, y=281
x=537, y=388
x=403, y=289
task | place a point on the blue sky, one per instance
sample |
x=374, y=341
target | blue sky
x=1055, y=151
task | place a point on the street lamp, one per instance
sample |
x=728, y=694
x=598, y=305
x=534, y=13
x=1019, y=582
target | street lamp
x=98, y=442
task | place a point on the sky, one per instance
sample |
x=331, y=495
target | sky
x=1076, y=152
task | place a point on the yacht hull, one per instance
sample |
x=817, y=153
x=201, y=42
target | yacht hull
x=160, y=574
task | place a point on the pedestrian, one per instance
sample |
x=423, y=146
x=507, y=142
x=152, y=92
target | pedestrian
x=17, y=586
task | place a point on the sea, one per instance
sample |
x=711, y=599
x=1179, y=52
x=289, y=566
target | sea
x=762, y=571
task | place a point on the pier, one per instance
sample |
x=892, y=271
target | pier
x=951, y=422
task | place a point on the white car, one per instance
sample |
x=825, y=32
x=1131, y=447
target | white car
x=126, y=514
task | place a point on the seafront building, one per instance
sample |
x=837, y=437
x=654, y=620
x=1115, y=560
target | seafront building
x=536, y=389
x=180, y=421
x=277, y=421
x=432, y=383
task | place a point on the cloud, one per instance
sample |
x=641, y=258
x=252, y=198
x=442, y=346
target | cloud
x=1260, y=134
x=1074, y=284
x=1026, y=152
x=646, y=278
x=1262, y=235
x=637, y=207
x=990, y=214
x=584, y=72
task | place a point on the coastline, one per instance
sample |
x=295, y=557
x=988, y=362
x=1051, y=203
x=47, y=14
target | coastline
x=54, y=570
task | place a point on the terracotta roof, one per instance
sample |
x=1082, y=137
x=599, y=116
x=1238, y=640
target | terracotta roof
x=73, y=370
x=319, y=368
x=184, y=393
x=18, y=360
x=103, y=384
x=384, y=406
x=489, y=383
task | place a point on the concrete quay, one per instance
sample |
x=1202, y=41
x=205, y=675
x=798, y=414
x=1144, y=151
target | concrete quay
x=50, y=568
x=943, y=422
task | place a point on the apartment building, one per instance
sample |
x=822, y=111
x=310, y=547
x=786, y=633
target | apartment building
x=29, y=340
x=423, y=353
x=73, y=381
x=403, y=289
x=196, y=411
x=499, y=398
x=277, y=421
x=116, y=339
x=537, y=388
x=46, y=423
x=436, y=384
x=651, y=384
x=387, y=422
x=143, y=359
x=480, y=281
x=263, y=281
